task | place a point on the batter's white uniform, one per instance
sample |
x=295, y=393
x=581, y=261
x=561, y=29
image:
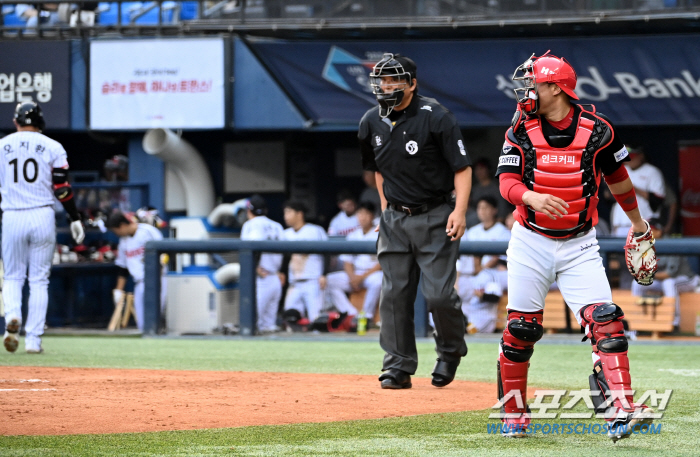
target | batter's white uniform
x=649, y=179
x=339, y=281
x=304, y=291
x=533, y=263
x=130, y=255
x=28, y=225
x=481, y=314
x=342, y=224
x=268, y=289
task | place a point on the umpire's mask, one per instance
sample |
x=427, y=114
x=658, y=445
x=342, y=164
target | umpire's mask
x=389, y=79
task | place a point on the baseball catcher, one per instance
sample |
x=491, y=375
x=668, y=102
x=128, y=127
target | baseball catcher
x=551, y=166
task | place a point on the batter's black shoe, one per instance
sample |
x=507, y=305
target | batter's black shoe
x=394, y=378
x=444, y=373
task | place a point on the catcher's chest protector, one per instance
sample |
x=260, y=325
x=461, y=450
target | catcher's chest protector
x=567, y=173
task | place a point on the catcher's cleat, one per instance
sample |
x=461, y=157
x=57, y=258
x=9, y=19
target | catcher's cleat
x=515, y=425
x=394, y=378
x=627, y=423
x=10, y=339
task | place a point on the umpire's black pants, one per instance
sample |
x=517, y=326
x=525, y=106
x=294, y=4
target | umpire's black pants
x=407, y=246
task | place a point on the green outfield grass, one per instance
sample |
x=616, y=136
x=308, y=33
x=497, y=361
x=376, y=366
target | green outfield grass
x=562, y=366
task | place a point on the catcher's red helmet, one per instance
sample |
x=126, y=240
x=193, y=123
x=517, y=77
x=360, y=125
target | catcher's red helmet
x=544, y=69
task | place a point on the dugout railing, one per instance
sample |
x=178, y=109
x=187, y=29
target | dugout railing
x=247, y=250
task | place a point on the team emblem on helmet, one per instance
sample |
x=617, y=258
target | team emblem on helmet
x=388, y=81
x=544, y=69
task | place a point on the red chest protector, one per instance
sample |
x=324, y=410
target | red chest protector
x=560, y=172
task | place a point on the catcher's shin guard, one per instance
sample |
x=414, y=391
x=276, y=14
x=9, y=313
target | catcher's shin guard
x=519, y=337
x=611, y=373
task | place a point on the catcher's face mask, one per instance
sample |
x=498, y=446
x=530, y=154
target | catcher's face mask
x=388, y=81
x=543, y=69
x=527, y=96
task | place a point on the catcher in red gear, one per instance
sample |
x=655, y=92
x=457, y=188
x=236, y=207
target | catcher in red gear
x=553, y=159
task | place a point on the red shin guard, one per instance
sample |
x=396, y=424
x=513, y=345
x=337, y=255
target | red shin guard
x=604, y=327
x=519, y=337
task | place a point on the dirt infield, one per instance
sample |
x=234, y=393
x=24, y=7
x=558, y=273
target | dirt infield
x=61, y=401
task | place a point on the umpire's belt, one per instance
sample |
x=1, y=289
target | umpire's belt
x=424, y=208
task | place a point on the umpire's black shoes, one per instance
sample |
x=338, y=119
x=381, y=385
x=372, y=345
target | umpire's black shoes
x=394, y=378
x=444, y=373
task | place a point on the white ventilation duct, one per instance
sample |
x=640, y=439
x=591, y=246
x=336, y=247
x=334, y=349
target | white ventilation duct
x=228, y=273
x=187, y=164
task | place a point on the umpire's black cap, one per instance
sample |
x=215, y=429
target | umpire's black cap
x=409, y=66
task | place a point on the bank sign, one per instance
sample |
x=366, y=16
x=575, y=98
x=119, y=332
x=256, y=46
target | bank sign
x=651, y=80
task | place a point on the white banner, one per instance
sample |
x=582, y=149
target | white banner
x=142, y=84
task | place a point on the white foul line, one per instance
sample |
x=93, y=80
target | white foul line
x=26, y=390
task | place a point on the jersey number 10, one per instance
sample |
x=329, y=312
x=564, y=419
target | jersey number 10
x=35, y=169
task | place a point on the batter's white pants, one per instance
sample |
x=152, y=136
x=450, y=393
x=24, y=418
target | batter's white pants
x=535, y=261
x=268, y=292
x=339, y=285
x=306, y=297
x=671, y=287
x=28, y=243
x=138, y=300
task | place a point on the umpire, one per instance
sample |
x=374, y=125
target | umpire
x=415, y=148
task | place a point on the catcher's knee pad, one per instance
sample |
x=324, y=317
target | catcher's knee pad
x=517, y=345
x=603, y=325
x=520, y=335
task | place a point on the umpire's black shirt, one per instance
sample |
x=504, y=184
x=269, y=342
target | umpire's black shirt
x=417, y=151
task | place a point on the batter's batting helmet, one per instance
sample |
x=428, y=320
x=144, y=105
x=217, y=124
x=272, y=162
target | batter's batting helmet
x=544, y=69
x=28, y=114
x=401, y=69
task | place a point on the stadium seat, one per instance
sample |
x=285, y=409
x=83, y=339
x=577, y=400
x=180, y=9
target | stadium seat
x=108, y=12
x=188, y=11
x=9, y=17
x=151, y=16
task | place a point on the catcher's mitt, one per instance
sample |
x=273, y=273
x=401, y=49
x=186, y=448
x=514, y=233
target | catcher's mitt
x=640, y=255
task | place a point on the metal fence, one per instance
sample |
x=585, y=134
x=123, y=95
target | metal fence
x=248, y=249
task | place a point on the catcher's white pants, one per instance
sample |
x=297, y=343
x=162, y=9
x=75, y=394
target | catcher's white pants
x=138, y=300
x=268, y=291
x=535, y=261
x=671, y=287
x=339, y=285
x=306, y=297
x=28, y=241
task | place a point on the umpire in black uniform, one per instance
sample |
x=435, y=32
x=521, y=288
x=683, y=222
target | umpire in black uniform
x=414, y=146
